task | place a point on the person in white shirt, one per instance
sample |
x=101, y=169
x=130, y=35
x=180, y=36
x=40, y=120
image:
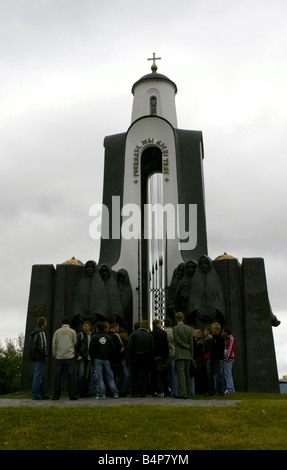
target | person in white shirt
x=63, y=348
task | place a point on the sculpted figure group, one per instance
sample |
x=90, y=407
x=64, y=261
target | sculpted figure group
x=196, y=291
x=103, y=295
x=106, y=295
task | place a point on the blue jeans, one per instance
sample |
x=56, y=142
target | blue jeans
x=102, y=368
x=172, y=376
x=67, y=365
x=83, y=377
x=227, y=367
x=216, y=371
x=126, y=387
x=38, y=390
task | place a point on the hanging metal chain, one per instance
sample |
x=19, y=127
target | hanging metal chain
x=158, y=306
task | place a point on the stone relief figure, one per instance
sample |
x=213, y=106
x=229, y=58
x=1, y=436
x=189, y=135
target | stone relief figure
x=206, y=301
x=114, y=303
x=176, y=278
x=126, y=298
x=274, y=319
x=90, y=300
x=184, y=287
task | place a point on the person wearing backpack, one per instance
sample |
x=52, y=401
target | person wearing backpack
x=38, y=355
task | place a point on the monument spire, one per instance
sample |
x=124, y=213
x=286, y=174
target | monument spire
x=154, y=58
x=154, y=94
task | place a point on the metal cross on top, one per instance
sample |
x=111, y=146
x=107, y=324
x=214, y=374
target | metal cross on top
x=154, y=58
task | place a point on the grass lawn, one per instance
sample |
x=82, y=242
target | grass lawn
x=258, y=422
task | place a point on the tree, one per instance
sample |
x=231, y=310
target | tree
x=11, y=357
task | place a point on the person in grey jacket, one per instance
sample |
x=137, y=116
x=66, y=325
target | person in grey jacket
x=63, y=348
x=183, y=340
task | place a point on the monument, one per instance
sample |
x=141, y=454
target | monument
x=153, y=258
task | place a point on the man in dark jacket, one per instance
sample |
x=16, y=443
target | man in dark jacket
x=140, y=351
x=101, y=349
x=159, y=366
x=216, y=361
x=38, y=354
x=117, y=357
x=83, y=359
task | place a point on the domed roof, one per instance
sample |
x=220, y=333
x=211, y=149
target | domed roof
x=154, y=76
x=224, y=256
x=74, y=261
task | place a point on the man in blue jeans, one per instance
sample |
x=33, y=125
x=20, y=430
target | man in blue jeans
x=83, y=367
x=101, y=349
x=38, y=354
x=216, y=361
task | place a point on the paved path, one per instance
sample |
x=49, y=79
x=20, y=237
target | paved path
x=151, y=401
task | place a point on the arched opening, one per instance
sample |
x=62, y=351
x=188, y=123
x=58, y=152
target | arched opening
x=152, y=243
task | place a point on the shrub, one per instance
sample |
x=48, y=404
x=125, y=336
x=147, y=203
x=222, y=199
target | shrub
x=11, y=357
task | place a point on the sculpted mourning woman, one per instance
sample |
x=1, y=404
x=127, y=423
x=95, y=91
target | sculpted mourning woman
x=90, y=301
x=206, y=301
x=126, y=298
x=112, y=291
x=172, y=308
x=184, y=287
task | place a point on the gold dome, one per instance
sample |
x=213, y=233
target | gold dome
x=224, y=256
x=74, y=261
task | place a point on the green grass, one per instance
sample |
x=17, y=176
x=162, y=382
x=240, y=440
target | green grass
x=258, y=422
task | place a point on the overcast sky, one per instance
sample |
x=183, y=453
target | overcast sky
x=66, y=72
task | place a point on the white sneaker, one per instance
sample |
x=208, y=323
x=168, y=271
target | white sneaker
x=100, y=398
x=160, y=395
x=115, y=396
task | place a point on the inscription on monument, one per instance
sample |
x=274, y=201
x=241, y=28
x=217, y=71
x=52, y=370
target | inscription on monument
x=136, y=157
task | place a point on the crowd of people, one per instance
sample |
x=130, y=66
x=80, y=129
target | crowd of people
x=176, y=361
